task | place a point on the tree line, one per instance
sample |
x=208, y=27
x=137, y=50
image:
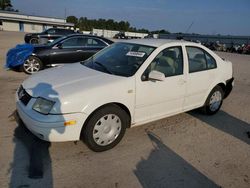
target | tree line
x=6, y=5
x=85, y=24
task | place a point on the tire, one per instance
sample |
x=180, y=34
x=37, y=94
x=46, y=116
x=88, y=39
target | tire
x=34, y=41
x=214, y=101
x=32, y=65
x=105, y=128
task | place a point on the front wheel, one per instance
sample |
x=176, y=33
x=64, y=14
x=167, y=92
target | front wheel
x=214, y=101
x=105, y=128
x=32, y=65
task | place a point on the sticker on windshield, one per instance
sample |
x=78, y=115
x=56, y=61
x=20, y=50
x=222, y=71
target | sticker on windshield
x=135, y=54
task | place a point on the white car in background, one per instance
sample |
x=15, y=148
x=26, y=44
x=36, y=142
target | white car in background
x=124, y=85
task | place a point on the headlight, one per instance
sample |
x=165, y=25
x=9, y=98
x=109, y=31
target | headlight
x=43, y=105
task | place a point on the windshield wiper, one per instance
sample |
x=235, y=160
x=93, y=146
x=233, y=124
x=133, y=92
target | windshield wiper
x=104, y=67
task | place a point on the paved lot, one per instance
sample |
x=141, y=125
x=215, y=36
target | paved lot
x=187, y=150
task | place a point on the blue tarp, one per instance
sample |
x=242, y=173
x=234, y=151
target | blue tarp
x=18, y=55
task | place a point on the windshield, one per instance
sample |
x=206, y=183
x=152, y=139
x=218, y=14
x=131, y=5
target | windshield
x=122, y=59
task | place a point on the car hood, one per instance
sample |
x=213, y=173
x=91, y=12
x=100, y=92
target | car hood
x=75, y=86
x=55, y=80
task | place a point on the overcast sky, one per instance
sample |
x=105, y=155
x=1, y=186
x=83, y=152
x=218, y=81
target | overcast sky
x=208, y=17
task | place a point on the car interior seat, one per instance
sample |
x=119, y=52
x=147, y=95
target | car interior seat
x=165, y=65
x=200, y=59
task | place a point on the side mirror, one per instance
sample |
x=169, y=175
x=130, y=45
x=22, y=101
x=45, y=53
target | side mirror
x=59, y=46
x=156, y=76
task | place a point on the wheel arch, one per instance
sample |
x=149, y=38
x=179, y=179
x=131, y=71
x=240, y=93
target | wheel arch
x=223, y=87
x=220, y=84
x=35, y=56
x=120, y=105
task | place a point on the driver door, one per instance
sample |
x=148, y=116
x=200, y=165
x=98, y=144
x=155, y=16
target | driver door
x=68, y=51
x=158, y=99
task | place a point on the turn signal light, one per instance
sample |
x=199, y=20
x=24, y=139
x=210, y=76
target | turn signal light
x=67, y=123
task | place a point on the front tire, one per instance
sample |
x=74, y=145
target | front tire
x=32, y=65
x=214, y=101
x=105, y=128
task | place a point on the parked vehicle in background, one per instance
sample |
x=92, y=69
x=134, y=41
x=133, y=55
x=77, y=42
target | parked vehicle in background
x=128, y=35
x=126, y=84
x=68, y=49
x=47, y=36
x=149, y=36
x=210, y=45
x=120, y=35
x=235, y=48
x=246, y=49
x=220, y=47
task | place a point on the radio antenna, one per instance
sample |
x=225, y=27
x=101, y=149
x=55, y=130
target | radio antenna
x=189, y=27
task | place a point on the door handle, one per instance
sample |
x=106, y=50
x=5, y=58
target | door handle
x=79, y=50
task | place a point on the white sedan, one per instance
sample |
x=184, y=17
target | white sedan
x=127, y=84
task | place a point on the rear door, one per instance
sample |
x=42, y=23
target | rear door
x=202, y=71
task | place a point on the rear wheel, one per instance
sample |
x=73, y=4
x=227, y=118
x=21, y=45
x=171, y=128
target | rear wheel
x=214, y=101
x=32, y=65
x=34, y=41
x=105, y=128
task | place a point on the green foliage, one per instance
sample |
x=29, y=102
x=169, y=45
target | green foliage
x=162, y=31
x=5, y=4
x=72, y=19
x=86, y=24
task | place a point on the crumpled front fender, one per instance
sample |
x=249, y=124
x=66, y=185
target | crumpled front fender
x=18, y=55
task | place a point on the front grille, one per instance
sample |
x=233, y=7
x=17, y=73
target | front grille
x=23, y=96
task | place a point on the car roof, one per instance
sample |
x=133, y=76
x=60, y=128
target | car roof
x=157, y=42
x=86, y=35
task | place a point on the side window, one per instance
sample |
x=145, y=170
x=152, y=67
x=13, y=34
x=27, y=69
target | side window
x=196, y=59
x=169, y=61
x=211, y=63
x=51, y=31
x=82, y=41
x=91, y=42
x=199, y=60
x=72, y=42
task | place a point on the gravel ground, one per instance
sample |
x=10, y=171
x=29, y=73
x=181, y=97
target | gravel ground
x=186, y=150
